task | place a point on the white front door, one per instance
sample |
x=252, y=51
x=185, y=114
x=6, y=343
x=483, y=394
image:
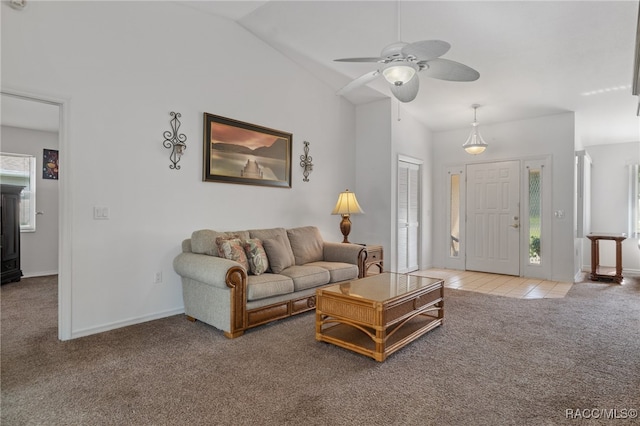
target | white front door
x=493, y=217
x=408, y=216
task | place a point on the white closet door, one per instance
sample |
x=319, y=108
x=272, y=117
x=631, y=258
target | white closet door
x=408, y=246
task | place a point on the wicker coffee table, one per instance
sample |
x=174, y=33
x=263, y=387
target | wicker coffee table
x=377, y=315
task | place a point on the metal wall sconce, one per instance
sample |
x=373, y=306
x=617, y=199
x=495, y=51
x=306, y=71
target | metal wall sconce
x=174, y=141
x=305, y=162
x=18, y=4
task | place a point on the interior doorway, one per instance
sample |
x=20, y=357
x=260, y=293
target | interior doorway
x=27, y=110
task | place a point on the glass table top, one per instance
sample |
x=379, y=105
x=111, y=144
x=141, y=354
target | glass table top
x=382, y=287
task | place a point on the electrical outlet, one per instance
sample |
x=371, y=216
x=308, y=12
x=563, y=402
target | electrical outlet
x=157, y=278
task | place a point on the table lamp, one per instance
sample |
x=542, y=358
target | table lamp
x=347, y=205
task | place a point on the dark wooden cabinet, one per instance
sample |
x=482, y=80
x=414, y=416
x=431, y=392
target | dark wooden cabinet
x=10, y=239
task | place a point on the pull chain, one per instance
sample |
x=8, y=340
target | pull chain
x=398, y=17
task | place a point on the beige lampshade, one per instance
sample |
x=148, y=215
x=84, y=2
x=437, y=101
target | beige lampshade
x=347, y=204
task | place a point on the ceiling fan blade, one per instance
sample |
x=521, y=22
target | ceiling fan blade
x=408, y=91
x=426, y=50
x=359, y=60
x=360, y=81
x=444, y=69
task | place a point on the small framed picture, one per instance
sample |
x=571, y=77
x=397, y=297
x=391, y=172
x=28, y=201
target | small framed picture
x=50, y=164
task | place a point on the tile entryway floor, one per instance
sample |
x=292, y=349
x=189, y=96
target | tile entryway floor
x=501, y=285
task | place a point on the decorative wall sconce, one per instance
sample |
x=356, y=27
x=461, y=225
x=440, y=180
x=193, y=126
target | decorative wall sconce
x=306, y=162
x=174, y=141
x=18, y=4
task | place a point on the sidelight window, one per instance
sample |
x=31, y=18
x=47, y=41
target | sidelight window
x=634, y=200
x=454, y=208
x=535, y=209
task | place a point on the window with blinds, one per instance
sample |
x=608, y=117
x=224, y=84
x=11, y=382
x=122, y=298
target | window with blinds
x=20, y=170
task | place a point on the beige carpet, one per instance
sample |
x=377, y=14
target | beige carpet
x=495, y=361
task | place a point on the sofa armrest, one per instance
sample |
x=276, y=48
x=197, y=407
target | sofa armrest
x=342, y=252
x=209, y=270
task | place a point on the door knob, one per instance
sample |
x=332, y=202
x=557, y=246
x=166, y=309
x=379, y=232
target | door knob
x=515, y=225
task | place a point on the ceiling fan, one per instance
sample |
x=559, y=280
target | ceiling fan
x=401, y=62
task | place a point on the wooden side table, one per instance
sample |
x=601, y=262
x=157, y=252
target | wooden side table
x=596, y=274
x=373, y=257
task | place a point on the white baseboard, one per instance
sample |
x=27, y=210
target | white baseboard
x=119, y=324
x=39, y=274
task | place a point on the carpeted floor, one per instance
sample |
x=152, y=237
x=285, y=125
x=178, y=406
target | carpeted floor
x=496, y=361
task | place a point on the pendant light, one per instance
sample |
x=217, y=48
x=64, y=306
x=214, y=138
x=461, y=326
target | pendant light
x=475, y=144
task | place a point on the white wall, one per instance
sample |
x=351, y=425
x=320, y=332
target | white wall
x=124, y=66
x=412, y=139
x=39, y=249
x=380, y=139
x=374, y=166
x=609, y=201
x=551, y=135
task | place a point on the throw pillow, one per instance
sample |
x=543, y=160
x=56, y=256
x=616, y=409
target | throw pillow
x=277, y=254
x=271, y=233
x=204, y=241
x=257, y=257
x=306, y=243
x=232, y=249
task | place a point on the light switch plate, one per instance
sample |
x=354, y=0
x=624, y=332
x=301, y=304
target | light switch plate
x=100, y=213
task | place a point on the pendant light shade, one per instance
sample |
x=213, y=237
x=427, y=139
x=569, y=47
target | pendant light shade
x=475, y=144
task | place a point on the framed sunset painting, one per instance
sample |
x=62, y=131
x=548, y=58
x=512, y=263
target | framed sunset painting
x=244, y=153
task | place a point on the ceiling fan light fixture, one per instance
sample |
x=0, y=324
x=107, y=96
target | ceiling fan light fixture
x=475, y=144
x=399, y=73
x=400, y=63
x=408, y=91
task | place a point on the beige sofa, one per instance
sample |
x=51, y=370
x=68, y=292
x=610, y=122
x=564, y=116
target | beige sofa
x=279, y=277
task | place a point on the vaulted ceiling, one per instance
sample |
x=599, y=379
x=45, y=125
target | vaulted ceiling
x=535, y=58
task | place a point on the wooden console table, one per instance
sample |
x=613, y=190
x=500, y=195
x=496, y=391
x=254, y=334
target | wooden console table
x=596, y=273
